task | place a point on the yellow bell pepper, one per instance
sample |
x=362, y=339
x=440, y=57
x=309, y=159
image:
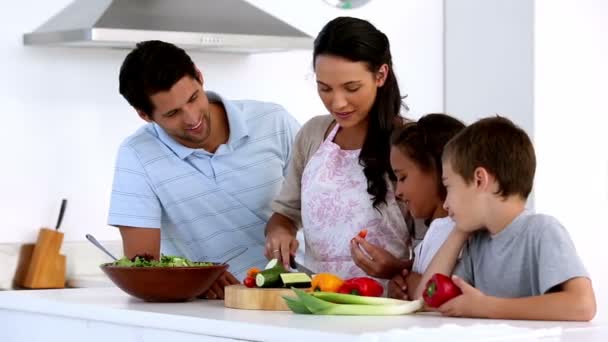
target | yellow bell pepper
x=326, y=282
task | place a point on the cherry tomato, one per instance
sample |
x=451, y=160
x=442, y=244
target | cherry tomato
x=249, y=282
x=363, y=233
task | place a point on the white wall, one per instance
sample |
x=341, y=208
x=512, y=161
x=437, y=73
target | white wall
x=63, y=118
x=543, y=63
x=489, y=59
x=571, y=119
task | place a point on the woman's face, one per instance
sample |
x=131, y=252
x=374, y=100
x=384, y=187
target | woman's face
x=348, y=89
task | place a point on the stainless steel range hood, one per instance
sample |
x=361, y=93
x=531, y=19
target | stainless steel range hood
x=206, y=25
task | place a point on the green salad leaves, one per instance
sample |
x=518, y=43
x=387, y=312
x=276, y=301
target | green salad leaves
x=165, y=261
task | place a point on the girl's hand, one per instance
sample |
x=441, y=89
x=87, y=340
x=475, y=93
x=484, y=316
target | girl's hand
x=397, y=287
x=377, y=262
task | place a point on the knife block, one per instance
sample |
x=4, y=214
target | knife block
x=46, y=269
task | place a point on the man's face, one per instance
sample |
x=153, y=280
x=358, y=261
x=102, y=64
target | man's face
x=463, y=201
x=183, y=112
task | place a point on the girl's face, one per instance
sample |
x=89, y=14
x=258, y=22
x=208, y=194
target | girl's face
x=416, y=187
x=348, y=89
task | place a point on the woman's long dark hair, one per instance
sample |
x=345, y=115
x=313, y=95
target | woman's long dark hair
x=359, y=41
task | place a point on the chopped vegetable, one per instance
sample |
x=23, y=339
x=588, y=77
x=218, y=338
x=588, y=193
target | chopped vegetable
x=439, y=289
x=326, y=282
x=270, y=277
x=165, y=261
x=272, y=264
x=363, y=233
x=362, y=286
x=299, y=280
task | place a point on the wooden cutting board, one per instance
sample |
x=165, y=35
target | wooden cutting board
x=241, y=297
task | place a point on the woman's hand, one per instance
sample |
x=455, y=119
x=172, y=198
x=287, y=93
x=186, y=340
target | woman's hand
x=281, y=240
x=374, y=260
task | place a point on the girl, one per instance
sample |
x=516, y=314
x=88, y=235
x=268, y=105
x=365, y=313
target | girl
x=416, y=161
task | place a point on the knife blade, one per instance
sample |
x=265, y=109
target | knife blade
x=294, y=265
x=304, y=269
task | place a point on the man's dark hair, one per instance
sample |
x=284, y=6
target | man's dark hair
x=153, y=66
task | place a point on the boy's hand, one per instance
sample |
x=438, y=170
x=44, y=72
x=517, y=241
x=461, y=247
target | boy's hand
x=471, y=303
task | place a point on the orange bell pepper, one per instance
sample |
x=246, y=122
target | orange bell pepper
x=326, y=282
x=252, y=272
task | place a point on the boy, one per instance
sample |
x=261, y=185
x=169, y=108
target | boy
x=514, y=264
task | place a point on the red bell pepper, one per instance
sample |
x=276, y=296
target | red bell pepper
x=439, y=289
x=362, y=286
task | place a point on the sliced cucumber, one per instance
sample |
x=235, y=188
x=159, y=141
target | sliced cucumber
x=298, y=280
x=272, y=264
x=269, y=278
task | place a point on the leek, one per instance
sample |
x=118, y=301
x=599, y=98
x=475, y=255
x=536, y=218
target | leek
x=296, y=305
x=322, y=307
x=343, y=298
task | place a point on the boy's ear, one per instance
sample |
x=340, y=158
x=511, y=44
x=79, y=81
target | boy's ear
x=482, y=179
x=144, y=116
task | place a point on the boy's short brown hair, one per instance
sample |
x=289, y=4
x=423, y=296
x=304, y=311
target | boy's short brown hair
x=500, y=147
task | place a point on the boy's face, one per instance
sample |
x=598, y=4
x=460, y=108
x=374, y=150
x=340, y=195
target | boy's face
x=464, y=202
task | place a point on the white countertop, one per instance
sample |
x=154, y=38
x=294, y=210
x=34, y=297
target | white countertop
x=209, y=318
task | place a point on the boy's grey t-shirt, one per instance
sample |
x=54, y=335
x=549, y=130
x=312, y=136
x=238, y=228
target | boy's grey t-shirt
x=529, y=257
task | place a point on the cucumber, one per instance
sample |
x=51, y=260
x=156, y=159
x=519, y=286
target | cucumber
x=274, y=263
x=270, y=277
x=298, y=280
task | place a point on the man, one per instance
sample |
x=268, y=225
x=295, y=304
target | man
x=198, y=179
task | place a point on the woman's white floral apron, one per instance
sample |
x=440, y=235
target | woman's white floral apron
x=336, y=206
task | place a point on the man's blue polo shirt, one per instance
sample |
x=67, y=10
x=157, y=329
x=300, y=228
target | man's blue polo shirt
x=208, y=206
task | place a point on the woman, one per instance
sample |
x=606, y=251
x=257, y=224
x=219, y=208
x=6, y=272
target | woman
x=340, y=180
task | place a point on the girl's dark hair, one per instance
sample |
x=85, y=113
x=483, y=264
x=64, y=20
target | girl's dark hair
x=358, y=40
x=151, y=67
x=423, y=141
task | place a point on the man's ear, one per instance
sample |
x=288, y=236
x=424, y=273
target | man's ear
x=199, y=75
x=144, y=116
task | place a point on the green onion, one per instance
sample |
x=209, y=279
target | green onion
x=321, y=307
x=296, y=305
x=343, y=298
